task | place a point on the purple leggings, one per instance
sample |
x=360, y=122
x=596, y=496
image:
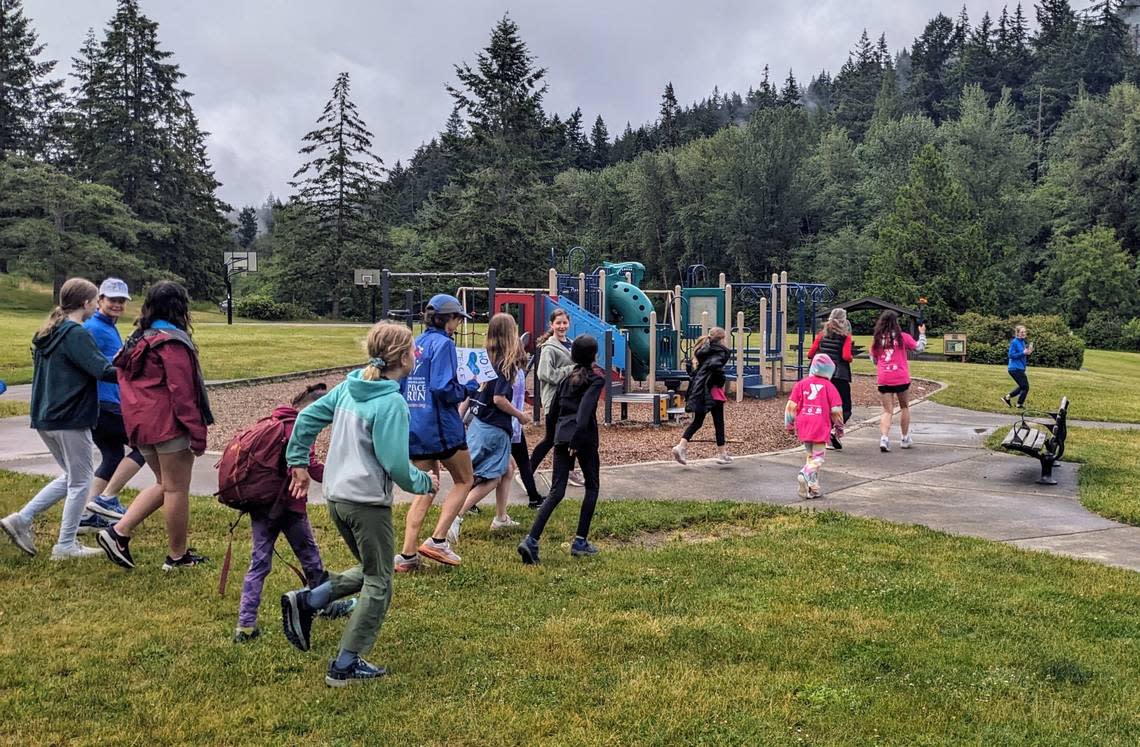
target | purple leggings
x=299, y=532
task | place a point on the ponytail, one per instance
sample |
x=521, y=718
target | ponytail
x=74, y=295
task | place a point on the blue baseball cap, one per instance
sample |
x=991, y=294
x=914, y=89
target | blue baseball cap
x=441, y=303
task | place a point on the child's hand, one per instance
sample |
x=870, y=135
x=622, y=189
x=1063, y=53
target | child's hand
x=525, y=418
x=434, y=482
x=299, y=487
x=790, y=429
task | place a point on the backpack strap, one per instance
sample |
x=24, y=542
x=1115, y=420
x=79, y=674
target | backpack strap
x=229, y=556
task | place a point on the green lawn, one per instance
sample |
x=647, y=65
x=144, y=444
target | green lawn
x=10, y=408
x=762, y=626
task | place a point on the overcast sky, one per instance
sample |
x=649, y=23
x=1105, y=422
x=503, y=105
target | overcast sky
x=261, y=70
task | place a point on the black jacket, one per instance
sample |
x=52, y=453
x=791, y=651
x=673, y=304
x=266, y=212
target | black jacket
x=578, y=412
x=66, y=364
x=711, y=360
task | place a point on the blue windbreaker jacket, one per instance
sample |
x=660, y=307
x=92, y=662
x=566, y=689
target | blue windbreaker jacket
x=433, y=393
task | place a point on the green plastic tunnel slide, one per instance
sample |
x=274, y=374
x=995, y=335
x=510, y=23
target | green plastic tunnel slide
x=631, y=308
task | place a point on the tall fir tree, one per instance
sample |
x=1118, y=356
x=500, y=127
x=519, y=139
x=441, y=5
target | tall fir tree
x=133, y=129
x=246, y=229
x=334, y=186
x=28, y=95
x=790, y=94
x=668, y=128
x=599, y=144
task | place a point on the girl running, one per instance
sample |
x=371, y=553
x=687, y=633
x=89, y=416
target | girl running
x=368, y=455
x=166, y=413
x=576, y=437
x=706, y=393
x=1019, y=351
x=489, y=434
x=433, y=393
x=814, y=413
x=110, y=434
x=66, y=365
x=554, y=365
x=835, y=340
x=888, y=351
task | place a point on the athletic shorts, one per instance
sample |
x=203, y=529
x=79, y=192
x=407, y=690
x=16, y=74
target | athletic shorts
x=439, y=456
x=893, y=388
x=174, y=445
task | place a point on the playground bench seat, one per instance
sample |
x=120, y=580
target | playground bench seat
x=1042, y=439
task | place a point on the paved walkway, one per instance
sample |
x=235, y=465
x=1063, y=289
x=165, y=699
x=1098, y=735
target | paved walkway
x=949, y=481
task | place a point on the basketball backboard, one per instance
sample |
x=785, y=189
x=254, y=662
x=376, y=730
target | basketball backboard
x=240, y=261
x=366, y=278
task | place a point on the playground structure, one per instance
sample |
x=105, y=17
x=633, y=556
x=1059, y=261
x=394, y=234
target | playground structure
x=645, y=336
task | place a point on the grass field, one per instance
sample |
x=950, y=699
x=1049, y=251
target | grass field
x=758, y=626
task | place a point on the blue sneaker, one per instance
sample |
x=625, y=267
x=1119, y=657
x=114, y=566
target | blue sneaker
x=109, y=507
x=581, y=548
x=358, y=671
x=92, y=523
x=339, y=608
x=528, y=550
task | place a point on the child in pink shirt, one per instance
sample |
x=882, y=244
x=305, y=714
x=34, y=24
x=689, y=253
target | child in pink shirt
x=813, y=410
x=889, y=350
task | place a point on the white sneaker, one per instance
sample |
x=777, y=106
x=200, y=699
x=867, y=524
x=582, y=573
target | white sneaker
x=440, y=552
x=680, y=455
x=576, y=479
x=21, y=532
x=723, y=459
x=497, y=523
x=453, y=532
x=74, y=552
x=802, y=486
x=906, y=442
x=884, y=443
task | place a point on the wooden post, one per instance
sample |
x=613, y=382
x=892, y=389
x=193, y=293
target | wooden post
x=552, y=281
x=740, y=356
x=582, y=290
x=784, y=326
x=652, y=351
x=721, y=281
x=607, y=364
x=602, y=313
x=677, y=309
x=728, y=306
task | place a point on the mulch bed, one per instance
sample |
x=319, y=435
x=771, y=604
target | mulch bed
x=752, y=426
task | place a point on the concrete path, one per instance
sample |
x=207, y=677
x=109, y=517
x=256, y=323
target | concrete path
x=949, y=481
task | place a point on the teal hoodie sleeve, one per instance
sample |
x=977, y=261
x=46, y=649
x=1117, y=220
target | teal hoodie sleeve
x=80, y=348
x=311, y=421
x=390, y=444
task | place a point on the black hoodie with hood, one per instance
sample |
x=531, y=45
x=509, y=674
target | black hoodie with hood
x=66, y=364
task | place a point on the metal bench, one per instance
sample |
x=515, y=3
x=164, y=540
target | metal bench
x=1043, y=439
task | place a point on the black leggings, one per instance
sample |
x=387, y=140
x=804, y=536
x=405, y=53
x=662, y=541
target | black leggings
x=590, y=465
x=699, y=420
x=1022, y=387
x=110, y=437
x=844, y=387
x=522, y=461
x=542, y=448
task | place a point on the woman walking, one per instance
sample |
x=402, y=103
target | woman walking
x=66, y=365
x=1019, y=352
x=166, y=412
x=888, y=351
x=706, y=393
x=836, y=342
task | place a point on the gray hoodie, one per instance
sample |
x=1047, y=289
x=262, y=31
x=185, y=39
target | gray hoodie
x=554, y=365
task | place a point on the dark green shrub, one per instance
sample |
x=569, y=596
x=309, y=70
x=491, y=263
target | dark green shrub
x=1130, y=335
x=987, y=339
x=1103, y=330
x=261, y=307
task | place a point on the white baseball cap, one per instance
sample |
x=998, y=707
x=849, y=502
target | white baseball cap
x=114, y=288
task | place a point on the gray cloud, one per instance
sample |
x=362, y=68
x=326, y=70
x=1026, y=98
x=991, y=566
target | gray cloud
x=261, y=70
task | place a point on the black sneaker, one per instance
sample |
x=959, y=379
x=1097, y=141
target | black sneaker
x=358, y=671
x=188, y=559
x=1005, y=399
x=835, y=444
x=297, y=617
x=536, y=502
x=115, y=545
x=245, y=635
x=339, y=608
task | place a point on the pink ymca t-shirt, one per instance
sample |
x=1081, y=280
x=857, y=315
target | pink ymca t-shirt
x=892, y=366
x=815, y=397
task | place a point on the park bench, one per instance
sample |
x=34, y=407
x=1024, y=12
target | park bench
x=1043, y=439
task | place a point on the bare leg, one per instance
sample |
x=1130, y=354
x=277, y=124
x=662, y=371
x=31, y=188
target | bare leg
x=126, y=470
x=144, y=504
x=481, y=491
x=888, y=403
x=503, y=492
x=176, y=469
x=904, y=413
x=417, y=511
x=97, y=485
x=462, y=477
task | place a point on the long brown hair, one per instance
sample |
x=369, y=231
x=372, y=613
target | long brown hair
x=74, y=295
x=503, y=346
x=888, y=333
x=716, y=334
x=558, y=311
x=168, y=301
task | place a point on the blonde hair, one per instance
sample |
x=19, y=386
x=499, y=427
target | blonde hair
x=387, y=345
x=837, y=323
x=74, y=294
x=503, y=346
x=1020, y=328
x=716, y=334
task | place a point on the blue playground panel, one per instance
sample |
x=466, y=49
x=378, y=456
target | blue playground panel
x=583, y=322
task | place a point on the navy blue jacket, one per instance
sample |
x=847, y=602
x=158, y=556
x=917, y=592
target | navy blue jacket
x=433, y=393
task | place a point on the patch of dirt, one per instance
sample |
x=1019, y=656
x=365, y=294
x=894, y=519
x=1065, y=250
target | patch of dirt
x=751, y=427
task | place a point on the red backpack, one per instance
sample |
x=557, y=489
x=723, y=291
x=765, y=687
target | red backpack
x=251, y=472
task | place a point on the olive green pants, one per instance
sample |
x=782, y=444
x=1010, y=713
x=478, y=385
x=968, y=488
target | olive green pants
x=367, y=530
